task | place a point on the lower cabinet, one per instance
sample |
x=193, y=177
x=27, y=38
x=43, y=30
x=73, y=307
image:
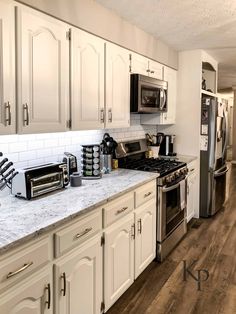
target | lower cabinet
x=118, y=259
x=191, y=196
x=145, y=241
x=79, y=280
x=33, y=295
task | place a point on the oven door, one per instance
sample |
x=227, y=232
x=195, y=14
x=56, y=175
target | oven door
x=172, y=202
x=152, y=98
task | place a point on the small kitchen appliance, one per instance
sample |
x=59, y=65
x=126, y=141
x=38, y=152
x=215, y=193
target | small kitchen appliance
x=171, y=190
x=90, y=161
x=167, y=146
x=147, y=94
x=71, y=162
x=35, y=181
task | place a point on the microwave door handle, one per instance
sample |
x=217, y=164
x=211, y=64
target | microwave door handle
x=162, y=98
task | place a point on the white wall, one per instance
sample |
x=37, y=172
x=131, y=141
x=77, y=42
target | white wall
x=92, y=17
x=34, y=149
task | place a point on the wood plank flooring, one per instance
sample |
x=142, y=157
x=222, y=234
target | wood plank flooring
x=161, y=289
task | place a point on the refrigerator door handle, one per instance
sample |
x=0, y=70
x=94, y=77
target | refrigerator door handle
x=226, y=135
x=221, y=173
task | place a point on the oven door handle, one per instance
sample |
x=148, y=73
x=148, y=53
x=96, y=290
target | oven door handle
x=221, y=173
x=170, y=188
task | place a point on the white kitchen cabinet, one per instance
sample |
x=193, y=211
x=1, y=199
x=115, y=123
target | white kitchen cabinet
x=118, y=259
x=43, y=72
x=87, y=81
x=34, y=295
x=191, y=191
x=156, y=69
x=168, y=117
x=117, y=86
x=145, y=240
x=142, y=65
x=79, y=280
x=138, y=64
x=7, y=69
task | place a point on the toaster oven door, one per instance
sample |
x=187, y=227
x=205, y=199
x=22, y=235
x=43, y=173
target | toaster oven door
x=46, y=183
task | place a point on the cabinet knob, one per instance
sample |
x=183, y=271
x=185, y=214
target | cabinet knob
x=152, y=72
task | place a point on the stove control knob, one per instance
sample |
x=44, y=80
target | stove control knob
x=168, y=179
x=177, y=174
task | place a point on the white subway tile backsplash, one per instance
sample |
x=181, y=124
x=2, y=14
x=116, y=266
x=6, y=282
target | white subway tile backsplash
x=35, y=149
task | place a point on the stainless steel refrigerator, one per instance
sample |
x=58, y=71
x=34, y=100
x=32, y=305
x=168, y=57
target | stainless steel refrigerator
x=213, y=167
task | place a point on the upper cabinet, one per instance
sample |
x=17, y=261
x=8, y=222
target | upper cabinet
x=43, y=77
x=87, y=81
x=117, y=87
x=7, y=69
x=168, y=117
x=142, y=65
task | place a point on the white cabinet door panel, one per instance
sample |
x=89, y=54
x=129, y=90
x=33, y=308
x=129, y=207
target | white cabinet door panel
x=7, y=69
x=83, y=280
x=43, y=60
x=145, y=242
x=31, y=296
x=155, y=70
x=119, y=259
x=87, y=68
x=117, y=87
x=139, y=64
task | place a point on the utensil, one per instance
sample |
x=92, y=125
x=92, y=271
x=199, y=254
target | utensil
x=3, y=162
x=6, y=167
x=160, y=137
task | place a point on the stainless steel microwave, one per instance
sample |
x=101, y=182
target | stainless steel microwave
x=147, y=94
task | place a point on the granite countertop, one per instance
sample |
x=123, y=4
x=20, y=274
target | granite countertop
x=22, y=220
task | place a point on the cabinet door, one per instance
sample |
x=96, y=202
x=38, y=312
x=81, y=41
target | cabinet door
x=145, y=242
x=87, y=68
x=79, y=280
x=7, y=69
x=155, y=69
x=139, y=64
x=191, y=195
x=117, y=87
x=43, y=58
x=170, y=76
x=32, y=296
x=118, y=259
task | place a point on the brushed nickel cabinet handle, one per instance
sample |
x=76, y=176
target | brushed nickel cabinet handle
x=18, y=271
x=147, y=194
x=87, y=230
x=148, y=70
x=63, y=290
x=119, y=211
x=48, y=302
x=7, y=113
x=25, y=114
x=102, y=118
x=140, y=225
x=110, y=115
x=152, y=72
x=133, y=231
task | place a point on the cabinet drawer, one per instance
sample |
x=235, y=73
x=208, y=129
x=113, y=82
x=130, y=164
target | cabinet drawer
x=145, y=193
x=78, y=232
x=118, y=208
x=23, y=262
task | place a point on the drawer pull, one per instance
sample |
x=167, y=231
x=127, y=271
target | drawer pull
x=63, y=290
x=24, y=267
x=119, y=211
x=147, y=194
x=79, y=235
x=191, y=170
x=48, y=302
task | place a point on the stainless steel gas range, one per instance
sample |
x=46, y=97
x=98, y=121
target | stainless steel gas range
x=171, y=192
